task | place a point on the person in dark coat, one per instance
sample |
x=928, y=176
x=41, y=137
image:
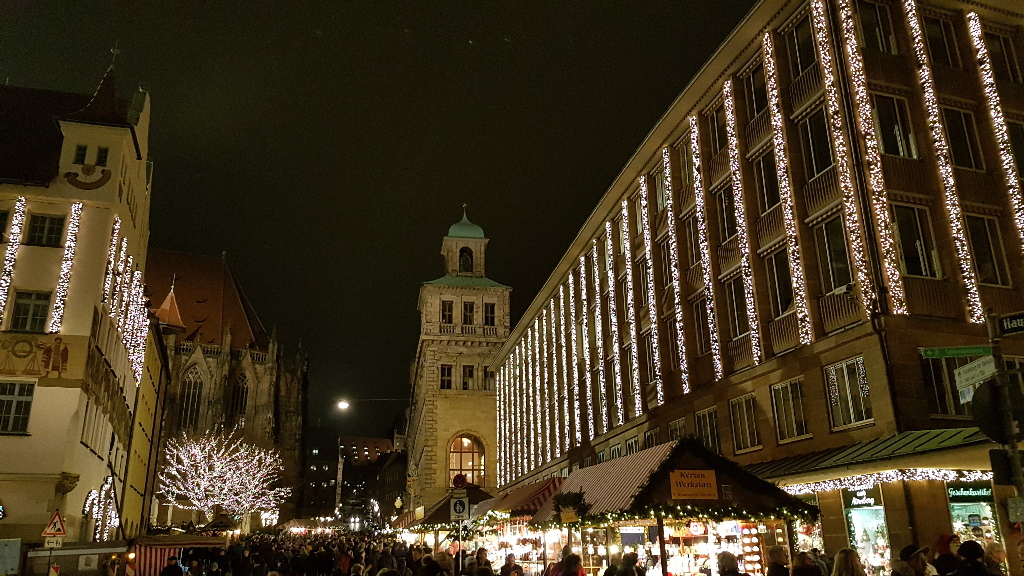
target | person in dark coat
x=804, y=565
x=510, y=568
x=971, y=560
x=778, y=561
x=172, y=568
x=945, y=560
x=728, y=565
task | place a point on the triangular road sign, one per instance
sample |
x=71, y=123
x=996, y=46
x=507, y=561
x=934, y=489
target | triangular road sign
x=56, y=526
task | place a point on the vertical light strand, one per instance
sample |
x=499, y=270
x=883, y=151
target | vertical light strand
x=516, y=412
x=572, y=416
x=70, y=242
x=11, y=255
x=588, y=389
x=521, y=393
x=531, y=402
x=545, y=322
x=118, y=279
x=652, y=303
x=558, y=419
x=786, y=192
x=841, y=153
x=538, y=408
x=500, y=425
x=673, y=255
x=634, y=355
x=995, y=111
x=613, y=323
x=122, y=310
x=873, y=157
x=111, y=259
x=705, y=251
x=574, y=390
x=938, y=132
x=602, y=394
x=741, y=222
x=139, y=325
x=563, y=369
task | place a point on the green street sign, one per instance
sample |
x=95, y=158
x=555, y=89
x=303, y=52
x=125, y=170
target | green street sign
x=955, y=352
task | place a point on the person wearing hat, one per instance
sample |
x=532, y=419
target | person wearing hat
x=172, y=568
x=916, y=558
x=972, y=560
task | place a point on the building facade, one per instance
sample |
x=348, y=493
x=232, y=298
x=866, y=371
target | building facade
x=321, y=485
x=837, y=188
x=464, y=319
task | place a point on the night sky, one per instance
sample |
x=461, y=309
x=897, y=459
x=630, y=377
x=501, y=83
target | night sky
x=327, y=146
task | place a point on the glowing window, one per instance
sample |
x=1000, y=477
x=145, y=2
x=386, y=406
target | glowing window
x=466, y=456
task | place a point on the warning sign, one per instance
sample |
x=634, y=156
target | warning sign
x=56, y=526
x=694, y=485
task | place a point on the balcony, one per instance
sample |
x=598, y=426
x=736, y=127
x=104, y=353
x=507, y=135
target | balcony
x=695, y=277
x=490, y=330
x=806, y=86
x=888, y=68
x=686, y=199
x=931, y=297
x=979, y=187
x=770, y=226
x=758, y=129
x=905, y=174
x=729, y=254
x=718, y=166
x=741, y=352
x=839, y=310
x=447, y=329
x=822, y=191
x=469, y=329
x=784, y=333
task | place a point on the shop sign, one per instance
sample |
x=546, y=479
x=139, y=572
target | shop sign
x=862, y=497
x=969, y=492
x=693, y=485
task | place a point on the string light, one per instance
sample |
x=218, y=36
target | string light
x=652, y=305
x=563, y=365
x=111, y=257
x=840, y=151
x=864, y=481
x=613, y=322
x=502, y=449
x=521, y=412
x=634, y=372
x=535, y=404
x=101, y=507
x=588, y=389
x=953, y=209
x=126, y=294
x=70, y=242
x=557, y=431
x=995, y=111
x=741, y=219
x=602, y=398
x=118, y=279
x=876, y=178
x=11, y=255
x=545, y=397
x=705, y=251
x=574, y=388
x=673, y=253
x=786, y=192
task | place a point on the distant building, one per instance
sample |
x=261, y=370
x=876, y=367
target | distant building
x=321, y=486
x=359, y=450
x=390, y=488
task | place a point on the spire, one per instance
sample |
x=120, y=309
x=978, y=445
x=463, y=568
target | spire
x=103, y=107
x=168, y=313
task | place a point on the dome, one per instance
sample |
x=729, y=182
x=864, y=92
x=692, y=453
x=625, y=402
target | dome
x=465, y=229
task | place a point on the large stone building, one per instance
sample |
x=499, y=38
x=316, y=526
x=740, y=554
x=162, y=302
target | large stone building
x=464, y=319
x=838, y=187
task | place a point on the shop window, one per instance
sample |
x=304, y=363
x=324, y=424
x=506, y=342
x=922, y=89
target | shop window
x=44, y=230
x=802, y=54
x=766, y=181
x=718, y=129
x=876, y=27
x=867, y=531
x=817, y=143
x=743, y=411
x=614, y=451
x=706, y=423
x=466, y=456
x=489, y=308
x=677, y=429
x=848, y=393
x=446, y=378
x=447, y=312
x=972, y=509
x=652, y=438
x=702, y=325
x=914, y=237
x=632, y=445
x=735, y=296
x=726, y=213
x=1004, y=57
x=190, y=400
x=788, y=405
x=941, y=42
x=757, y=91
x=780, y=283
x=987, y=247
x=962, y=132
x=833, y=258
x=30, y=311
x=892, y=123
x=467, y=313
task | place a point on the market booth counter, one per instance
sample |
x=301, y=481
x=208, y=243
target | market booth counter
x=436, y=526
x=676, y=500
x=506, y=523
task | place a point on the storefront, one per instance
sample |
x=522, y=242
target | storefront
x=866, y=527
x=971, y=508
x=504, y=524
x=808, y=534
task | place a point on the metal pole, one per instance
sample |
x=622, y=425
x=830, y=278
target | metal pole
x=661, y=545
x=1005, y=408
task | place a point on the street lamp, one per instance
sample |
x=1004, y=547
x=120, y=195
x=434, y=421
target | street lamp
x=346, y=404
x=343, y=405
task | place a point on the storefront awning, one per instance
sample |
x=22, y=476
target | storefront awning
x=527, y=500
x=439, y=514
x=404, y=520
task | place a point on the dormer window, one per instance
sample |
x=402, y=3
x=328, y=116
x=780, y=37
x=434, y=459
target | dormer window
x=80, y=152
x=465, y=261
x=101, y=155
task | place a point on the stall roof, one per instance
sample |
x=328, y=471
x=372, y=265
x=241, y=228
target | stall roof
x=527, y=500
x=440, y=512
x=404, y=520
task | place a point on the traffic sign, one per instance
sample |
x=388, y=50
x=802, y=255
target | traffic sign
x=56, y=526
x=53, y=542
x=463, y=493
x=1011, y=324
x=973, y=372
x=460, y=481
x=955, y=352
x=460, y=508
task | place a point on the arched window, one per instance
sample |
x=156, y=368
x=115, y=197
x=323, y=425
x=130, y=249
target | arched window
x=239, y=400
x=465, y=261
x=466, y=456
x=190, y=400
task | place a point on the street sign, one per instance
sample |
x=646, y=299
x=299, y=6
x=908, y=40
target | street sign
x=460, y=508
x=955, y=352
x=53, y=542
x=56, y=526
x=463, y=493
x=973, y=372
x=1011, y=324
x=460, y=481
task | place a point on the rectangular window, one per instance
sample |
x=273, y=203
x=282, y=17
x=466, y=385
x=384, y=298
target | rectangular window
x=726, y=213
x=652, y=438
x=685, y=152
x=638, y=211
x=45, y=230
x=3, y=226
x=788, y=404
x=718, y=127
x=941, y=42
x=673, y=342
x=446, y=377
x=848, y=392
x=833, y=258
x=914, y=238
x=601, y=457
x=963, y=139
x=30, y=311
x=1003, y=56
x=817, y=143
x=706, y=422
x=744, y=423
x=101, y=155
x=489, y=313
x=80, y=151
x=701, y=325
x=640, y=288
x=620, y=236
x=876, y=27
x=632, y=445
x=677, y=429
x=1016, y=130
x=766, y=180
x=656, y=181
x=467, y=313
x=987, y=247
x=447, y=312
x=691, y=235
x=647, y=344
x=467, y=378
x=780, y=283
x=614, y=451
x=892, y=122
x=802, y=54
x=757, y=91
x=15, y=406
x=735, y=296
x=945, y=397
x=665, y=260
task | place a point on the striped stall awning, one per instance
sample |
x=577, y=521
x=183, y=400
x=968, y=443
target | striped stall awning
x=527, y=500
x=152, y=552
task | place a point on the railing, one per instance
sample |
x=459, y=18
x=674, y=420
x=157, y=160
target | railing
x=741, y=352
x=729, y=254
x=839, y=310
x=822, y=191
x=695, y=277
x=758, y=128
x=215, y=349
x=806, y=86
x=686, y=198
x=490, y=330
x=447, y=329
x=783, y=333
x=979, y=187
x=770, y=226
x=468, y=329
x=931, y=297
x=905, y=174
x=718, y=166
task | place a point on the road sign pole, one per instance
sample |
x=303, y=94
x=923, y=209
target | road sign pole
x=1005, y=406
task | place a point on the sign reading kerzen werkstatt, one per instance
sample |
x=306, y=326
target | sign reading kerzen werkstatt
x=694, y=485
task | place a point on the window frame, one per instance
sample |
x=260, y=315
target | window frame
x=706, y=428
x=824, y=250
x=725, y=201
x=474, y=474
x=81, y=154
x=490, y=313
x=793, y=45
x=930, y=260
x=761, y=180
x=32, y=317
x=973, y=139
x=468, y=312
x=16, y=407
x=614, y=451
x=736, y=307
x=949, y=41
x=632, y=444
x=468, y=377
x=756, y=93
x=52, y=236
x=904, y=125
x=878, y=42
x=997, y=249
x=771, y=266
x=677, y=429
x=743, y=410
x=446, y=378
x=834, y=400
x=788, y=415
x=1010, y=60
x=701, y=321
x=810, y=147
x=447, y=311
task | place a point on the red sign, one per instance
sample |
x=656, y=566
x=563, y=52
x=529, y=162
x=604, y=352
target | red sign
x=56, y=526
x=459, y=481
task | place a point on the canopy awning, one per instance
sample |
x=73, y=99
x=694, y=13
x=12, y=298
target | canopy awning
x=404, y=520
x=440, y=513
x=525, y=500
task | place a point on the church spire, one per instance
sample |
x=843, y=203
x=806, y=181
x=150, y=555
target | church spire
x=103, y=108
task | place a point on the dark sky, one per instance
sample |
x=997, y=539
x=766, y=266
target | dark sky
x=328, y=145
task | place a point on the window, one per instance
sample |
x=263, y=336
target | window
x=3, y=226
x=489, y=313
x=467, y=312
x=963, y=139
x=447, y=312
x=601, y=457
x=691, y=235
x=736, y=298
x=766, y=181
x=465, y=261
x=316, y=451
x=677, y=429
x=647, y=344
x=673, y=342
x=788, y=404
x=945, y=397
x=801, y=47
x=446, y=378
x=744, y=423
x=665, y=260
x=489, y=380
x=914, y=237
x=467, y=378
x=101, y=155
x=941, y=42
x=707, y=429
x=80, y=151
x=892, y=122
x=833, y=258
x=239, y=400
x=718, y=127
x=848, y=392
x=651, y=438
x=45, y=230
x=726, y=213
x=614, y=451
x=190, y=400
x=657, y=182
x=757, y=91
x=640, y=289
x=620, y=236
x=876, y=27
x=30, y=311
x=686, y=162
x=987, y=247
x=817, y=143
x=780, y=283
x=1016, y=130
x=701, y=325
x=632, y=445
x=15, y=405
x=1003, y=56
x=466, y=456
x=638, y=211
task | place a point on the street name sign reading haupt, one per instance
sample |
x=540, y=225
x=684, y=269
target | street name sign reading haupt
x=693, y=485
x=1011, y=324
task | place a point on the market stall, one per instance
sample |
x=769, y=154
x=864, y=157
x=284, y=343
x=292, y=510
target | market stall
x=505, y=525
x=436, y=527
x=152, y=551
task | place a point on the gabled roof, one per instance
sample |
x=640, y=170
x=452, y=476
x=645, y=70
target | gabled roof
x=168, y=312
x=103, y=108
x=208, y=298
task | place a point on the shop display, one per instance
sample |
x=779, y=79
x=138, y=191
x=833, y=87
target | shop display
x=865, y=521
x=971, y=510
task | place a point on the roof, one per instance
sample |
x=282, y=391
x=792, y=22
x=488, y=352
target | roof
x=168, y=312
x=103, y=108
x=466, y=281
x=465, y=229
x=903, y=444
x=527, y=500
x=440, y=514
x=208, y=298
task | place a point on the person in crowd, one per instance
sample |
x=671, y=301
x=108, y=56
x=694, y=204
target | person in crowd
x=243, y=566
x=804, y=565
x=417, y=559
x=629, y=566
x=510, y=568
x=172, y=568
x=388, y=571
x=822, y=561
x=847, y=563
x=194, y=569
x=728, y=565
x=478, y=561
x=945, y=559
x=572, y=565
x=446, y=563
x=995, y=559
x=916, y=558
x=214, y=570
x=778, y=561
x=972, y=559
x=401, y=566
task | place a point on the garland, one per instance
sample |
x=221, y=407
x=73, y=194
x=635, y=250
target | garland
x=807, y=513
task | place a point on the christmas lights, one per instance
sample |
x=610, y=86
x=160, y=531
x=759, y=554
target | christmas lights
x=108, y=275
x=634, y=372
x=563, y=369
x=544, y=398
x=862, y=378
x=70, y=242
x=588, y=386
x=574, y=388
x=500, y=423
x=535, y=404
x=11, y=255
x=555, y=402
x=118, y=279
x=741, y=222
x=953, y=209
x=673, y=253
x=862, y=481
x=652, y=299
x=876, y=178
x=840, y=149
x=520, y=412
x=995, y=111
x=602, y=395
x=786, y=192
x=102, y=508
x=705, y=251
x=613, y=323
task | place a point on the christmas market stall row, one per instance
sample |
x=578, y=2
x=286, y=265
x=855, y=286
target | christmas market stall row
x=677, y=500
x=437, y=528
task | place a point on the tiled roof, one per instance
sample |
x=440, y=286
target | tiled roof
x=467, y=281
